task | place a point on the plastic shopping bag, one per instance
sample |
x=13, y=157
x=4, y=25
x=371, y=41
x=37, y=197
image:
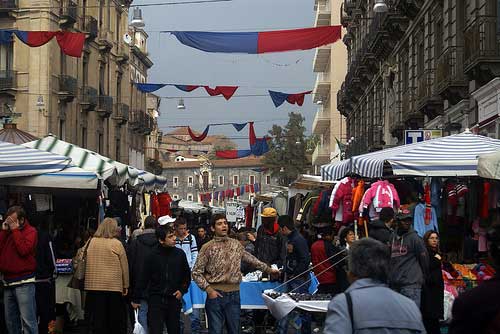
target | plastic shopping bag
x=138, y=329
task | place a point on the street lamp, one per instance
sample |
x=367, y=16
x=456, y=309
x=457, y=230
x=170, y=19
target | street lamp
x=181, y=105
x=380, y=6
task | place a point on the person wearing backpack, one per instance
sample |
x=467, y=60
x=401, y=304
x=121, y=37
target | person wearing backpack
x=187, y=242
x=369, y=305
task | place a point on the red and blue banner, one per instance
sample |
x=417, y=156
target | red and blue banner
x=226, y=91
x=259, y=42
x=71, y=43
x=279, y=98
x=258, y=147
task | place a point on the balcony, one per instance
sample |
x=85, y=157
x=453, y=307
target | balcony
x=322, y=58
x=148, y=125
x=482, y=51
x=68, y=14
x=90, y=27
x=342, y=106
x=104, y=106
x=396, y=124
x=410, y=116
x=88, y=98
x=321, y=122
x=375, y=138
x=410, y=8
x=428, y=102
x=121, y=113
x=136, y=120
x=105, y=41
x=321, y=155
x=323, y=13
x=8, y=82
x=451, y=82
x=322, y=87
x=68, y=88
x=7, y=6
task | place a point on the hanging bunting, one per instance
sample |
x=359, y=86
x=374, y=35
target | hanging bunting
x=239, y=126
x=279, y=98
x=71, y=43
x=258, y=147
x=148, y=87
x=185, y=88
x=259, y=42
x=226, y=91
x=200, y=137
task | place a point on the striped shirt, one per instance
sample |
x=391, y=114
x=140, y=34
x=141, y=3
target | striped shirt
x=188, y=245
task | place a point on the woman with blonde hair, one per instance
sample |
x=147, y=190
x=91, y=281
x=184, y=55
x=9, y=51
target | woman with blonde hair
x=106, y=280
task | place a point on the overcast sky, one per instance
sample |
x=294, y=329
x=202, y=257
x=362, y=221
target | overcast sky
x=289, y=72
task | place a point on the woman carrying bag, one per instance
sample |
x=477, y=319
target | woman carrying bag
x=106, y=281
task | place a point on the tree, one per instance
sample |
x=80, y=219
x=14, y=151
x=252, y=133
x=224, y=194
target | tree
x=286, y=158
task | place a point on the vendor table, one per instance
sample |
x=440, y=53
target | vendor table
x=250, y=294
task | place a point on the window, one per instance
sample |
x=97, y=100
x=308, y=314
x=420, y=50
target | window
x=251, y=179
x=190, y=181
x=62, y=129
x=221, y=180
x=205, y=180
x=175, y=197
x=268, y=179
x=117, y=150
x=236, y=180
x=100, y=144
x=175, y=182
x=189, y=197
x=84, y=137
x=5, y=58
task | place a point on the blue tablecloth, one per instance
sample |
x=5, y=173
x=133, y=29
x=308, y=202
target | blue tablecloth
x=250, y=294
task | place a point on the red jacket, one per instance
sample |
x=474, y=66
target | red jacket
x=344, y=196
x=318, y=255
x=18, y=253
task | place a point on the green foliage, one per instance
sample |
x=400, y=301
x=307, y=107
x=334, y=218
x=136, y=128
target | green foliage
x=286, y=158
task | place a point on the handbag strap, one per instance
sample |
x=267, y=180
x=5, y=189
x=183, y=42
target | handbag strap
x=85, y=249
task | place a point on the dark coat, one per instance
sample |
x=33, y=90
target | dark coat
x=269, y=247
x=137, y=253
x=166, y=271
x=379, y=231
x=297, y=262
x=474, y=311
x=432, y=304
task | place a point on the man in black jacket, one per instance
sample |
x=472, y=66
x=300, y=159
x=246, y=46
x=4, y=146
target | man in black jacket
x=296, y=269
x=137, y=253
x=167, y=276
x=382, y=228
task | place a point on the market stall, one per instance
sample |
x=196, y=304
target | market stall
x=489, y=166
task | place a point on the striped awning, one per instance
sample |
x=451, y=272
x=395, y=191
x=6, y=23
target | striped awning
x=455, y=155
x=17, y=161
x=488, y=166
x=71, y=177
x=152, y=181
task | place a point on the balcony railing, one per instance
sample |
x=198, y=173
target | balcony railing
x=407, y=103
x=69, y=12
x=121, y=113
x=68, y=84
x=450, y=69
x=104, y=106
x=481, y=42
x=321, y=155
x=8, y=5
x=8, y=79
x=88, y=98
x=90, y=26
x=425, y=86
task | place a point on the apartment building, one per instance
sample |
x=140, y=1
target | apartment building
x=330, y=64
x=422, y=64
x=88, y=101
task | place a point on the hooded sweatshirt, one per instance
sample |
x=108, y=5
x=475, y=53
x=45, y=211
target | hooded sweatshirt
x=138, y=251
x=409, y=259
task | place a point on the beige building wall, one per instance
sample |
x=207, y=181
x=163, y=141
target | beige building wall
x=330, y=64
x=85, y=101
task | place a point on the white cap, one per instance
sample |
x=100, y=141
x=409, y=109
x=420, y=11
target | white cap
x=164, y=220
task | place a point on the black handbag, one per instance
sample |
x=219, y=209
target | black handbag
x=79, y=263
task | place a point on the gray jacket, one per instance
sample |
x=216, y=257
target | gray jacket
x=376, y=310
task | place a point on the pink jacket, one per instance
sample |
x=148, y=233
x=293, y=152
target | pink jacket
x=381, y=194
x=343, y=197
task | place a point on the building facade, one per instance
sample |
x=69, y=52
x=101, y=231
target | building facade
x=422, y=65
x=89, y=101
x=188, y=179
x=330, y=64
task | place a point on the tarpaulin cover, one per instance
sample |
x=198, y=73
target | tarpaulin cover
x=260, y=42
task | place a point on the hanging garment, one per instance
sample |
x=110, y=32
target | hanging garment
x=381, y=194
x=343, y=201
x=357, y=195
x=419, y=223
x=164, y=201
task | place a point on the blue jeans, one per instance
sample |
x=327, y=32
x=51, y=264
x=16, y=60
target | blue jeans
x=20, y=309
x=224, y=309
x=195, y=321
x=143, y=315
x=304, y=319
x=413, y=292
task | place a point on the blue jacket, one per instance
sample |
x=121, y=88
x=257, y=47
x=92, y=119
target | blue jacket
x=376, y=310
x=297, y=262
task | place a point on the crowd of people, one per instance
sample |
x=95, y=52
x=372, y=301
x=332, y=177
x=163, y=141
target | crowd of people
x=390, y=282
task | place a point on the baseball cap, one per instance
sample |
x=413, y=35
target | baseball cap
x=404, y=214
x=269, y=212
x=164, y=220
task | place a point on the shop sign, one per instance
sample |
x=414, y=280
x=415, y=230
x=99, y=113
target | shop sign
x=416, y=136
x=231, y=211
